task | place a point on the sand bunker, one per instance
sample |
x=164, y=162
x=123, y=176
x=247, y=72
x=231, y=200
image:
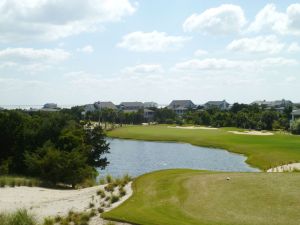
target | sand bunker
x=285, y=168
x=43, y=202
x=257, y=133
x=194, y=128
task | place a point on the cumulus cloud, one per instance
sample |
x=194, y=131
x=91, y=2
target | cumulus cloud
x=225, y=19
x=216, y=64
x=200, y=52
x=144, y=69
x=32, y=60
x=51, y=19
x=261, y=44
x=294, y=47
x=30, y=54
x=151, y=41
x=86, y=49
x=284, y=23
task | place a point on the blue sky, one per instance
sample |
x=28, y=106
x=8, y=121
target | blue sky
x=122, y=50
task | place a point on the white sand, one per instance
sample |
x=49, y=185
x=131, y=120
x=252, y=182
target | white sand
x=257, y=133
x=194, y=128
x=43, y=202
x=285, y=168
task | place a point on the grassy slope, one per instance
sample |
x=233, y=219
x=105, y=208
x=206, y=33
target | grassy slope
x=263, y=151
x=207, y=198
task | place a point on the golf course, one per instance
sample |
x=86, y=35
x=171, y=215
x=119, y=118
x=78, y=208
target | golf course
x=186, y=197
x=262, y=151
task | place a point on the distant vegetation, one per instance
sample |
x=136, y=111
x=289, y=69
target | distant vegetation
x=296, y=127
x=239, y=115
x=54, y=147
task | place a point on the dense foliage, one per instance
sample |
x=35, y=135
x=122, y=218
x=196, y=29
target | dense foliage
x=52, y=146
x=296, y=127
x=239, y=115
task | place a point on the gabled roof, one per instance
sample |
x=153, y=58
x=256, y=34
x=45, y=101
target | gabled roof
x=181, y=104
x=216, y=103
x=105, y=105
x=132, y=104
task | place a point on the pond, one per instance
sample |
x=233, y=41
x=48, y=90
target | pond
x=139, y=157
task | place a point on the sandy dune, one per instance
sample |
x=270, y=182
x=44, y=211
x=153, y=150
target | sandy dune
x=257, y=133
x=285, y=168
x=43, y=202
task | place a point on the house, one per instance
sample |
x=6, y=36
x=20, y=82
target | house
x=279, y=105
x=222, y=105
x=295, y=115
x=150, y=105
x=181, y=106
x=50, y=106
x=105, y=105
x=148, y=115
x=131, y=105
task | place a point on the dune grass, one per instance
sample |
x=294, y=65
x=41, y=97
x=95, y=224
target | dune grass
x=263, y=152
x=15, y=181
x=184, y=197
x=20, y=217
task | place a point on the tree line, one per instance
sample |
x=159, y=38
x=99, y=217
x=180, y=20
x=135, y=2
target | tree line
x=239, y=115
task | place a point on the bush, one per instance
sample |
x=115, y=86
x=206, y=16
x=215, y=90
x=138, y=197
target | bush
x=296, y=127
x=114, y=198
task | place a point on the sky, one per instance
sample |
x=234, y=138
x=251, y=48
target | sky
x=158, y=50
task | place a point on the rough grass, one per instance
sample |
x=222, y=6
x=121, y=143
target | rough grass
x=14, y=181
x=263, y=152
x=20, y=217
x=192, y=197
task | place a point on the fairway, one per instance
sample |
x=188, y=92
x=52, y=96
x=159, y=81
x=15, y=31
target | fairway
x=186, y=197
x=263, y=152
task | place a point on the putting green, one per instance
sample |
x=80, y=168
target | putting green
x=187, y=197
x=263, y=152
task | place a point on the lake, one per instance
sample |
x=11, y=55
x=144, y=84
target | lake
x=139, y=157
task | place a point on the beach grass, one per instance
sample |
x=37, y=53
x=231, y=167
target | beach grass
x=184, y=197
x=16, y=181
x=20, y=217
x=263, y=152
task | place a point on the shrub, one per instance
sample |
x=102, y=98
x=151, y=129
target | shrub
x=49, y=221
x=100, y=210
x=110, y=187
x=296, y=127
x=114, y=198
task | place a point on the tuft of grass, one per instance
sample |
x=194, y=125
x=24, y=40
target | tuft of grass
x=109, y=178
x=102, y=181
x=91, y=205
x=20, y=217
x=122, y=191
x=49, y=221
x=13, y=181
x=100, y=210
x=110, y=187
x=114, y=198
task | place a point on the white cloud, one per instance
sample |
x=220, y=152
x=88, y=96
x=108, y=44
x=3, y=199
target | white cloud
x=200, y=52
x=144, y=69
x=225, y=19
x=33, y=55
x=51, y=19
x=269, y=19
x=216, y=64
x=151, y=41
x=31, y=60
x=261, y=44
x=294, y=47
x=86, y=49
